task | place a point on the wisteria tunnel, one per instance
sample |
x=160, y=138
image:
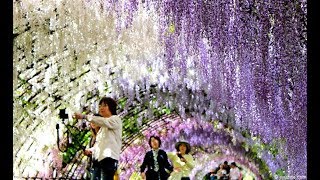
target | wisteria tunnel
x=230, y=77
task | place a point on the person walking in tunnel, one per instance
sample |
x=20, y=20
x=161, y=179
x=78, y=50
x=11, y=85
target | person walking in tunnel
x=94, y=171
x=182, y=161
x=235, y=173
x=211, y=175
x=156, y=162
x=226, y=166
x=222, y=172
x=106, y=150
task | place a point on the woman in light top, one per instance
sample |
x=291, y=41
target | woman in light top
x=107, y=147
x=222, y=172
x=182, y=161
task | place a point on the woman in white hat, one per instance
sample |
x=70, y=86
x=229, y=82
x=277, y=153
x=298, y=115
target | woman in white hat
x=182, y=161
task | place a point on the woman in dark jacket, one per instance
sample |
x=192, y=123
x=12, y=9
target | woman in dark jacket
x=156, y=162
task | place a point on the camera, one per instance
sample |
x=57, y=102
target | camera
x=63, y=114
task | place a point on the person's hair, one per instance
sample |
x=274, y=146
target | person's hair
x=217, y=169
x=225, y=162
x=155, y=137
x=93, y=129
x=112, y=104
x=178, y=144
x=233, y=163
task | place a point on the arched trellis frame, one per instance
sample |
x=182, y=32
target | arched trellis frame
x=138, y=125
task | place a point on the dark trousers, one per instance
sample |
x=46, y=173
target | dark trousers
x=108, y=167
x=185, y=178
x=94, y=171
x=152, y=175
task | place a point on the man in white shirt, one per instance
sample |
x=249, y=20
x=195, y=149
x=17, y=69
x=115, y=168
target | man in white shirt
x=235, y=173
x=107, y=148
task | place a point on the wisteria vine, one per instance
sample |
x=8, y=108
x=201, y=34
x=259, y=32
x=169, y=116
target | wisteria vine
x=243, y=62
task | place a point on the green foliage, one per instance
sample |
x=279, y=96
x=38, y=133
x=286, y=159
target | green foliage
x=280, y=172
x=122, y=102
x=138, y=115
x=130, y=126
x=80, y=139
x=273, y=150
x=107, y=88
x=166, y=110
x=258, y=147
x=263, y=167
x=246, y=134
x=158, y=112
x=215, y=124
